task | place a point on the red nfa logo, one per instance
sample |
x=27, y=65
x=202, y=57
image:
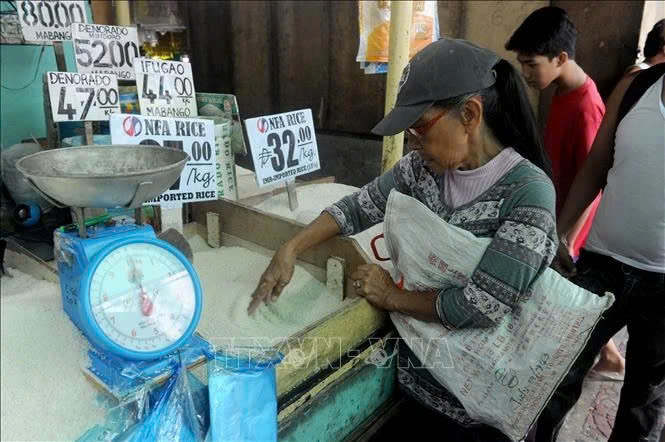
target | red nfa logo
x=132, y=126
x=262, y=125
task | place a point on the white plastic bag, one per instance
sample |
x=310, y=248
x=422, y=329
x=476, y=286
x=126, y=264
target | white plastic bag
x=374, y=29
x=503, y=375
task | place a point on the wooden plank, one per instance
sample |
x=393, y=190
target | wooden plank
x=272, y=231
x=22, y=259
x=102, y=12
x=340, y=330
x=372, y=425
x=211, y=45
x=320, y=343
x=338, y=409
x=258, y=195
x=296, y=408
x=301, y=45
x=356, y=100
x=251, y=57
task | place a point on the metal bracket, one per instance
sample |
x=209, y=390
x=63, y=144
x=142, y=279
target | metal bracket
x=80, y=215
x=142, y=191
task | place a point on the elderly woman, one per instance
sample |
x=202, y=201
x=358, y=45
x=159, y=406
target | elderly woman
x=479, y=164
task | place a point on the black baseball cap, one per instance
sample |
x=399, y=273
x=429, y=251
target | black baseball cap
x=444, y=69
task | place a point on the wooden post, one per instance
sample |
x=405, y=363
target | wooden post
x=60, y=56
x=293, y=196
x=122, y=15
x=214, y=227
x=400, y=37
x=102, y=12
x=335, y=278
x=171, y=217
x=89, y=138
x=52, y=128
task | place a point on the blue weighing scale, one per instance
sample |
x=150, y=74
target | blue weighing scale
x=136, y=298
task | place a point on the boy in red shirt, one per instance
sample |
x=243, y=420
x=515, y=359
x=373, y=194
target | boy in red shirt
x=545, y=46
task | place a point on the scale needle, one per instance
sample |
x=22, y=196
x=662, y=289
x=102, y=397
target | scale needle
x=146, y=304
x=135, y=276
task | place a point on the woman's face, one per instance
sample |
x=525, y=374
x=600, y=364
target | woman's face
x=445, y=144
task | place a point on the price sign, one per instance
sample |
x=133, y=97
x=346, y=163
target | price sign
x=196, y=137
x=283, y=146
x=105, y=49
x=82, y=97
x=165, y=88
x=49, y=20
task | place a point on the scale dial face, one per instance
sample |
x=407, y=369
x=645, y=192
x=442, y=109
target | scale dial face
x=143, y=297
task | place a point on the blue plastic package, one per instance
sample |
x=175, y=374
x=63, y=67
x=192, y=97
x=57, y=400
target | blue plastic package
x=174, y=412
x=173, y=417
x=242, y=389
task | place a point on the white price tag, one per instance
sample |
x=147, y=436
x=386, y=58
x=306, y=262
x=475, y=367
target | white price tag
x=283, y=146
x=165, y=88
x=105, y=49
x=196, y=137
x=82, y=97
x=49, y=20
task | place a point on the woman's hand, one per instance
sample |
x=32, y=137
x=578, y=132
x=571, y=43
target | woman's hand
x=563, y=263
x=374, y=284
x=275, y=278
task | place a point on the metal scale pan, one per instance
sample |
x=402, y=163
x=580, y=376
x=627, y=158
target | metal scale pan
x=110, y=275
x=102, y=176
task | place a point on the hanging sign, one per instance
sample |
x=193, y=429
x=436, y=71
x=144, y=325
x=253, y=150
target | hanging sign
x=196, y=137
x=82, y=97
x=165, y=88
x=283, y=146
x=49, y=20
x=105, y=49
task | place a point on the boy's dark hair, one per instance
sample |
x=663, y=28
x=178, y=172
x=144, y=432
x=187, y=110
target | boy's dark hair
x=655, y=39
x=547, y=31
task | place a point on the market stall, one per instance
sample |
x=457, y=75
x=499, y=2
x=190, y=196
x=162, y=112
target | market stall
x=325, y=351
x=144, y=277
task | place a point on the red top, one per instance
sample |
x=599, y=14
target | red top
x=572, y=124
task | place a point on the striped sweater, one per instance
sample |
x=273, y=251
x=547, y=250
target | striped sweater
x=517, y=212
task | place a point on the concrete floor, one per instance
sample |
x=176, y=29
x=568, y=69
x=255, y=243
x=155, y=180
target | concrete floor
x=593, y=417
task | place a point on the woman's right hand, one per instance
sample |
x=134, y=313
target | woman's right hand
x=275, y=278
x=563, y=263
